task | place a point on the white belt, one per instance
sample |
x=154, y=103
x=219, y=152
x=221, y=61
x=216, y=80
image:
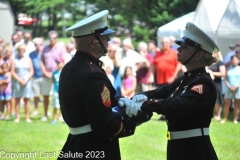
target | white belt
x=80, y=130
x=187, y=133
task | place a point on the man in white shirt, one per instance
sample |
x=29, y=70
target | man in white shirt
x=30, y=47
x=130, y=57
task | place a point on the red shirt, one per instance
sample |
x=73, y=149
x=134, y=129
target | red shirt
x=165, y=63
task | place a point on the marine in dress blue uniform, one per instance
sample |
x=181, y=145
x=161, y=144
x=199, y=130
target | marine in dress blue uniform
x=188, y=103
x=87, y=96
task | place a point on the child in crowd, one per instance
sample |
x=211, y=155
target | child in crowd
x=129, y=83
x=8, y=58
x=232, y=81
x=5, y=91
x=55, y=101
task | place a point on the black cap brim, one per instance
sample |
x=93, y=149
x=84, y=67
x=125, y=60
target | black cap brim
x=180, y=41
x=108, y=32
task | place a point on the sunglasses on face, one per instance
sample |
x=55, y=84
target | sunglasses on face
x=52, y=38
x=38, y=44
x=115, y=42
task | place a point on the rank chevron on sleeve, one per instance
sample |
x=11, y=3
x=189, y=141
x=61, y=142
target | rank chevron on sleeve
x=198, y=88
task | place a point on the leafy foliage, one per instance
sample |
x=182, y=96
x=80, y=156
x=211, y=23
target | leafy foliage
x=139, y=19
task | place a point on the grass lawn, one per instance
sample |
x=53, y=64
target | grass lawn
x=148, y=143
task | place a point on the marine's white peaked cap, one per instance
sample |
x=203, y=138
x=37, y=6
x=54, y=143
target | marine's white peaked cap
x=95, y=24
x=194, y=36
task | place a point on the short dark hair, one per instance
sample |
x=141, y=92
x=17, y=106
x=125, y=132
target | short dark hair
x=152, y=41
x=233, y=56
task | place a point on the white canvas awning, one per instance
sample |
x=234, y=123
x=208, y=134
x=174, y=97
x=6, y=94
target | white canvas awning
x=220, y=19
x=7, y=21
x=175, y=28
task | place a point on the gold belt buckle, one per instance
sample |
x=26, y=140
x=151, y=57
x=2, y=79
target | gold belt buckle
x=168, y=135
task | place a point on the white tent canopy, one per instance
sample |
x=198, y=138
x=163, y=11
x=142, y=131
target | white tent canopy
x=175, y=28
x=220, y=19
x=7, y=21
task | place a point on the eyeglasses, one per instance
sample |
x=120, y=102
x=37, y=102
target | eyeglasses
x=237, y=52
x=116, y=42
x=38, y=44
x=51, y=38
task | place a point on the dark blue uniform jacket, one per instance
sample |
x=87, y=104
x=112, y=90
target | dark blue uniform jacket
x=188, y=103
x=86, y=97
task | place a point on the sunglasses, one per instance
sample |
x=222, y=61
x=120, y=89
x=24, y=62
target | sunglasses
x=51, y=38
x=237, y=51
x=115, y=42
x=38, y=44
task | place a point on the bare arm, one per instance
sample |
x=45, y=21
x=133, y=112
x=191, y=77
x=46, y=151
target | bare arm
x=226, y=80
x=145, y=64
x=14, y=74
x=9, y=75
x=178, y=68
x=152, y=69
x=232, y=88
x=184, y=69
x=228, y=64
x=123, y=90
x=30, y=74
x=117, y=59
x=42, y=66
x=221, y=73
x=133, y=88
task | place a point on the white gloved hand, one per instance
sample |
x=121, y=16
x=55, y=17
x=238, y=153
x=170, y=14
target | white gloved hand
x=139, y=98
x=132, y=107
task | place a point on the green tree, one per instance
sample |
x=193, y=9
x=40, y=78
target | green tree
x=55, y=9
x=141, y=18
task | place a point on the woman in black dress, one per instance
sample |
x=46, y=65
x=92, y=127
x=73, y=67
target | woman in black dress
x=218, y=71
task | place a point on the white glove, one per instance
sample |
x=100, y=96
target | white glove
x=139, y=98
x=132, y=107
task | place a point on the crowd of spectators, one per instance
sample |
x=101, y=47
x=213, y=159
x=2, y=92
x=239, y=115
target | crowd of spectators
x=30, y=69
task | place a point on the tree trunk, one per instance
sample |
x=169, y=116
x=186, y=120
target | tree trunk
x=36, y=26
x=54, y=22
x=49, y=20
x=39, y=25
x=63, y=22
